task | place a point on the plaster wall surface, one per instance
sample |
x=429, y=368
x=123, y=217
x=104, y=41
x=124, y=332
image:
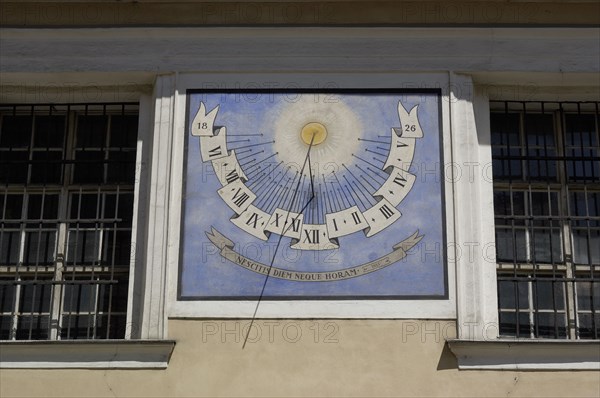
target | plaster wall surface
x=304, y=358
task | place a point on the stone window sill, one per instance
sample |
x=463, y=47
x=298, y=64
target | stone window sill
x=521, y=354
x=86, y=354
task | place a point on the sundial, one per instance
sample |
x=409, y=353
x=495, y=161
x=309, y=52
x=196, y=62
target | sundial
x=317, y=191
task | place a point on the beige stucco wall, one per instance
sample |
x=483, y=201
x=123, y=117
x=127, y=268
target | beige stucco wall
x=344, y=358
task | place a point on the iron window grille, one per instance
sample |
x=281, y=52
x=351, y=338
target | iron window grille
x=67, y=175
x=546, y=169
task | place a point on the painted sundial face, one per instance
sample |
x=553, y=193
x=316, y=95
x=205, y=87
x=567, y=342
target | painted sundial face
x=308, y=188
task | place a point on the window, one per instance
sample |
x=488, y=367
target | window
x=546, y=166
x=67, y=177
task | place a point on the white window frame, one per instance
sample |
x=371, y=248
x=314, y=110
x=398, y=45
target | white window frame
x=432, y=309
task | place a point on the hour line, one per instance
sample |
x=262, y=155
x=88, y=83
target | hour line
x=367, y=181
x=364, y=160
x=330, y=209
x=263, y=188
x=375, y=152
x=252, y=184
x=365, y=172
x=335, y=196
x=252, y=145
x=377, y=172
x=276, y=195
x=375, y=141
x=249, y=174
x=281, y=191
x=349, y=200
x=355, y=194
x=261, y=161
x=235, y=142
x=252, y=154
x=370, y=197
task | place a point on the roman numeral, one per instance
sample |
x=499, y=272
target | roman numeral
x=311, y=236
x=400, y=144
x=399, y=180
x=231, y=176
x=276, y=221
x=356, y=218
x=253, y=220
x=386, y=211
x=296, y=224
x=216, y=151
x=240, y=198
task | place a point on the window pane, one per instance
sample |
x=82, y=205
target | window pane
x=509, y=326
x=539, y=135
x=117, y=248
x=581, y=142
x=33, y=327
x=49, y=132
x=115, y=326
x=16, y=131
x=549, y=295
x=91, y=131
x=42, y=207
x=505, y=129
x=9, y=247
x=506, y=145
x=35, y=297
x=589, y=326
x=5, y=326
x=551, y=325
x=586, y=246
x=77, y=326
x=118, y=292
x=547, y=245
x=85, y=206
x=89, y=167
x=14, y=167
x=508, y=295
x=83, y=247
x=46, y=168
x=7, y=295
x=123, y=131
x=121, y=166
x=80, y=297
x=39, y=247
x=588, y=295
x=125, y=210
x=12, y=205
x=511, y=245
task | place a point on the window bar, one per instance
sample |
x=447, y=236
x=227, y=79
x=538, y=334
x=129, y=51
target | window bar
x=21, y=252
x=112, y=261
x=571, y=301
x=96, y=260
x=597, y=134
x=505, y=135
x=16, y=306
x=36, y=267
x=30, y=148
x=75, y=260
x=515, y=280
